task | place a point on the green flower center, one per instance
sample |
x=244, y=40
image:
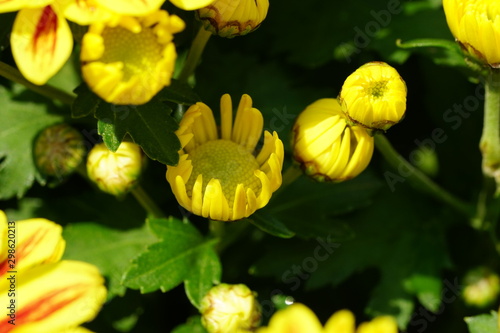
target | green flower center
x=139, y=52
x=376, y=89
x=226, y=161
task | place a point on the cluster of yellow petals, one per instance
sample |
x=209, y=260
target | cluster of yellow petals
x=51, y=295
x=476, y=26
x=220, y=175
x=298, y=318
x=327, y=147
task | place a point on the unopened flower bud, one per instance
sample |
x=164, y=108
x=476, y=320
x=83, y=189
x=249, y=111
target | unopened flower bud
x=374, y=96
x=231, y=18
x=115, y=173
x=326, y=146
x=230, y=308
x=482, y=287
x=474, y=24
x=58, y=150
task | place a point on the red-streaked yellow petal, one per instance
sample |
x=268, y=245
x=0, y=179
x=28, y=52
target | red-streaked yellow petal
x=55, y=297
x=41, y=43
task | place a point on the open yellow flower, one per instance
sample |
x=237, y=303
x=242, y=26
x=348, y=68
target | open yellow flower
x=326, y=146
x=41, y=39
x=221, y=176
x=129, y=60
x=42, y=293
x=298, y=318
x=374, y=96
x=230, y=18
x=476, y=26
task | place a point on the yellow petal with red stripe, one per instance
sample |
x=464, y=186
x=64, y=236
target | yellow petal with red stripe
x=41, y=43
x=54, y=297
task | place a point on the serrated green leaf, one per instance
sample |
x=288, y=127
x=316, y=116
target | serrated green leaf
x=208, y=273
x=193, y=325
x=107, y=131
x=178, y=92
x=150, y=126
x=485, y=323
x=176, y=258
x=86, y=102
x=22, y=121
x=270, y=224
x=110, y=250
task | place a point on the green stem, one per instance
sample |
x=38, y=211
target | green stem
x=46, y=90
x=417, y=178
x=194, y=54
x=146, y=202
x=490, y=139
x=291, y=174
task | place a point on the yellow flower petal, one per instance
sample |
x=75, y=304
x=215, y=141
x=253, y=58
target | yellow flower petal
x=131, y=7
x=85, y=12
x=341, y=322
x=41, y=42
x=191, y=4
x=297, y=318
x=15, y=5
x=384, y=324
x=55, y=297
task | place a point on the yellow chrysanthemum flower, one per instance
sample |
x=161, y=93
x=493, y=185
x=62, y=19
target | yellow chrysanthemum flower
x=41, y=39
x=230, y=308
x=476, y=26
x=220, y=175
x=374, y=96
x=326, y=146
x=115, y=173
x=298, y=318
x=129, y=60
x=49, y=295
x=230, y=18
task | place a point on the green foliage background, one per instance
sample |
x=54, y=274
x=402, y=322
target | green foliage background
x=393, y=249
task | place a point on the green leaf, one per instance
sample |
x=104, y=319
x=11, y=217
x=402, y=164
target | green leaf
x=86, y=102
x=193, y=325
x=484, y=323
x=23, y=119
x=178, y=92
x=150, y=125
x=270, y=224
x=181, y=255
x=110, y=250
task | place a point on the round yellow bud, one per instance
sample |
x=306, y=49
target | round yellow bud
x=115, y=173
x=230, y=308
x=476, y=26
x=482, y=287
x=230, y=18
x=58, y=150
x=326, y=146
x=374, y=96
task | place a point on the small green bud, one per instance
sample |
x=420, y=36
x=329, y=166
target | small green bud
x=230, y=308
x=58, y=150
x=115, y=173
x=482, y=287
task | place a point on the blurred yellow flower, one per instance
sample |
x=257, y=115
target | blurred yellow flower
x=115, y=173
x=230, y=308
x=374, y=96
x=298, y=318
x=476, y=26
x=326, y=146
x=129, y=60
x=49, y=295
x=230, y=18
x=222, y=176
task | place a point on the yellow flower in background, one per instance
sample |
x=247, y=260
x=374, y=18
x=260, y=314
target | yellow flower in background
x=129, y=60
x=41, y=39
x=230, y=308
x=298, y=318
x=230, y=18
x=50, y=295
x=374, y=96
x=476, y=26
x=221, y=176
x=326, y=146
x=115, y=173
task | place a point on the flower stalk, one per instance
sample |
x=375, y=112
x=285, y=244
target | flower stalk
x=146, y=202
x=418, y=178
x=194, y=55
